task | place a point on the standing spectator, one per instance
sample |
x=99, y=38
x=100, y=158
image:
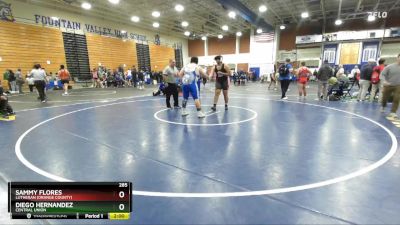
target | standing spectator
x=141, y=79
x=64, y=76
x=303, y=74
x=274, y=81
x=12, y=81
x=31, y=82
x=170, y=74
x=365, y=79
x=128, y=77
x=355, y=75
x=285, y=76
x=375, y=80
x=391, y=86
x=95, y=77
x=19, y=80
x=134, y=76
x=324, y=73
x=6, y=75
x=39, y=77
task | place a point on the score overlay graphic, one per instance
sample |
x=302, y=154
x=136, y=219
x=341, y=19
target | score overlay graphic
x=70, y=200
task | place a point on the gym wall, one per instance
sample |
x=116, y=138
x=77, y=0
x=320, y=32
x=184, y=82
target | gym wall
x=21, y=46
x=244, y=44
x=288, y=36
x=196, y=48
x=224, y=46
x=160, y=56
x=110, y=52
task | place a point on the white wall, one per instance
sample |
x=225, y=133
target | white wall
x=25, y=13
x=261, y=55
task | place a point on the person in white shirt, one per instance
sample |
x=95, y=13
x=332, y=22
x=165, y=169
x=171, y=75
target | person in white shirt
x=190, y=74
x=39, y=77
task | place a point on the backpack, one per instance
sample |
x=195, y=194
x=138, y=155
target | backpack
x=283, y=70
x=358, y=76
x=11, y=77
x=375, y=75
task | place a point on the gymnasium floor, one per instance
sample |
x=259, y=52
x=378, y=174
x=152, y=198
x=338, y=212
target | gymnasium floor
x=264, y=161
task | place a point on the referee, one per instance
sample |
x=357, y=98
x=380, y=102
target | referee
x=170, y=73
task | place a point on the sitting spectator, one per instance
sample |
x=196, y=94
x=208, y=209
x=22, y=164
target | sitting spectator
x=5, y=108
x=160, y=90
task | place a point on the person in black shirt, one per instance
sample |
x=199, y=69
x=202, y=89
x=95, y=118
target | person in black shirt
x=222, y=73
x=365, y=79
x=5, y=108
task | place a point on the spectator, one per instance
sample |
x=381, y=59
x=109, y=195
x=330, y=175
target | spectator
x=340, y=71
x=6, y=75
x=64, y=75
x=31, y=82
x=355, y=75
x=39, y=77
x=324, y=73
x=141, y=79
x=391, y=86
x=12, y=81
x=375, y=80
x=19, y=80
x=365, y=79
x=95, y=77
x=285, y=76
x=5, y=107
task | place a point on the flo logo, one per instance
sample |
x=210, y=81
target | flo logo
x=5, y=12
x=380, y=15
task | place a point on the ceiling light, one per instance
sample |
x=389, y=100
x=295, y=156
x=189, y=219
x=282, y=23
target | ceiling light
x=135, y=19
x=225, y=27
x=179, y=8
x=114, y=1
x=185, y=24
x=282, y=27
x=338, y=22
x=155, y=14
x=304, y=15
x=238, y=33
x=54, y=18
x=220, y=36
x=262, y=8
x=86, y=5
x=187, y=33
x=155, y=24
x=1, y=59
x=259, y=31
x=371, y=18
x=204, y=38
x=123, y=31
x=232, y=14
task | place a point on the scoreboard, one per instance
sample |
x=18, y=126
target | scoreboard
x=70, y=200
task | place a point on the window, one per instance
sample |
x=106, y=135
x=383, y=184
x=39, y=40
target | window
x=330, y=55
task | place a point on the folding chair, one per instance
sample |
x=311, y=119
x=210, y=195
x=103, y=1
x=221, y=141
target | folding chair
x=347, y=91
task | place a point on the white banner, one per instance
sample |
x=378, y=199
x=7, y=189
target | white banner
x=308, y=39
